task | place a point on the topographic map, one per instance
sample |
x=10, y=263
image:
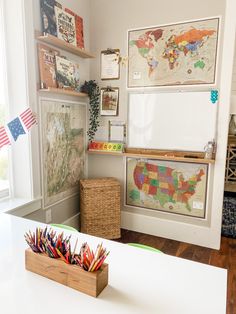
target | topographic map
x=174, y=187
x=181, y=54
x=63, y=149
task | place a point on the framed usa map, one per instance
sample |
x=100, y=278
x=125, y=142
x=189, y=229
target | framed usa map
x=170, y=186
x=178, y=54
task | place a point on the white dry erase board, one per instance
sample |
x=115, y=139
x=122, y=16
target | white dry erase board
x=171, y=121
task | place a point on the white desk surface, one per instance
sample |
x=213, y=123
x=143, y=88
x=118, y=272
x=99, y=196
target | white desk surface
x=139, y=281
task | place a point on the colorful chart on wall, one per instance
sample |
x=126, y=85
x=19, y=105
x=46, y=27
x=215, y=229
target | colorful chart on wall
x=169, y=186
x=178, y=54
x=63, y=148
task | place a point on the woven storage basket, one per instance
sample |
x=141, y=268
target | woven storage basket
x=100, y=207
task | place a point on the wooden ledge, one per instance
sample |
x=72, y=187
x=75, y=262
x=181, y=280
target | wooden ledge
x=54, y=41
x=156, y=156
x=63, y=91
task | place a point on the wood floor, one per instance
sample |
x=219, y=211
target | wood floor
x=225, y=257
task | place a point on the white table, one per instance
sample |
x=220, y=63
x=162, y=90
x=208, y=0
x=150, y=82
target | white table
x=139, y=281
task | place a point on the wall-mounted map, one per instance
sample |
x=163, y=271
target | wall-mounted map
x=174, y=187
x=179, y=54
x=63, y=149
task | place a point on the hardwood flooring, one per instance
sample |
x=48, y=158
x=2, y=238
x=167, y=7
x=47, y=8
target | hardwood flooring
x=225, y=257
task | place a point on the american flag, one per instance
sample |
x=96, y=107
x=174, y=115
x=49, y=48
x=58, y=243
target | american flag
x=16, y=128
x=28, y=118
x=4, y=139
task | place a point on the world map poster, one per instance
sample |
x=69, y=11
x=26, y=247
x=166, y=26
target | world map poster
x=179, y=54
x=170, y=186
x=63, y=149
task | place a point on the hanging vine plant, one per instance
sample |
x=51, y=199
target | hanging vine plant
x=91, y=88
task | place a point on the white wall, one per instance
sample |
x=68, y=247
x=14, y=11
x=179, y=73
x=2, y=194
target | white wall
x=69, y=207
x=110, y=22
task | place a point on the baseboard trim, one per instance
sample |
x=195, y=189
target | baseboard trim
x=72, y=221
x=179, y=231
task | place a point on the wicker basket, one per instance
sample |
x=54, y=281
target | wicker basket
x=100, y=207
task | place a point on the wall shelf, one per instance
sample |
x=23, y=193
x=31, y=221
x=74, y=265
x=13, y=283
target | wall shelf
x=63, y=91
x=54, y=41
x=152, y=156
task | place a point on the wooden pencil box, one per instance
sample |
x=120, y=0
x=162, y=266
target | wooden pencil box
x=91, y=283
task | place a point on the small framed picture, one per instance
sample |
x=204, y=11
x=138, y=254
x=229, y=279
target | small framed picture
x=109, y=101
x=117, y=131
x=110, y=67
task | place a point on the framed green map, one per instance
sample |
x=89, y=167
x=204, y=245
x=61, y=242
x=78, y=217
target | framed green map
x=177, y=54
x=170, y=186
x=63, y=142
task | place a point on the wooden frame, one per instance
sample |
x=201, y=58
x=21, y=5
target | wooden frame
x=110, y=67
x=109, y=101
x=162, y=186
x=116, y=131
x=176, y=54
x=62, y=120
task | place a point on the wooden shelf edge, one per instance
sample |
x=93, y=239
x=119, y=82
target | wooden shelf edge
x=174, y=158
x=92, y=152
x=63, y=91
x=160, y=157
x=54, y=41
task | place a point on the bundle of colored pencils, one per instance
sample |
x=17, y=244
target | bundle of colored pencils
x=89, y=260
x=58, y=246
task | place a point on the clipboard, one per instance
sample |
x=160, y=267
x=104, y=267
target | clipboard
x=110, y=66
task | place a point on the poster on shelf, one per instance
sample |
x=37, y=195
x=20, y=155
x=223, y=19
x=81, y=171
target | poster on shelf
x=47, y=66
x=79, y=29
x=66, y=30
x=67, y=73
x=47, y=8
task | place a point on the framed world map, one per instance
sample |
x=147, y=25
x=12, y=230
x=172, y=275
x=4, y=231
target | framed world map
x=63, y=149
x=178, y=54
x=169, y=186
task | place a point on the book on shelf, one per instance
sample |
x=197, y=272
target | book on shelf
x=48, y=18
x=67, y=74
x=47, y=66
x=66, y=30
x=79, y=28
x=99, y=146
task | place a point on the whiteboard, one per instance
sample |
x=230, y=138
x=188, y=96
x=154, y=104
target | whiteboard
x=171, y=121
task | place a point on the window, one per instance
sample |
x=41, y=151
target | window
x=21, y=163
x=4, y=156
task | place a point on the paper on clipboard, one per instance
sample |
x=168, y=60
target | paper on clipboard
x=110, y=68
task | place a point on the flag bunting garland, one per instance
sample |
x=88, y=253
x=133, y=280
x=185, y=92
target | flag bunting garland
x=28, y=118
x=4, y=138
x=18, y=126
